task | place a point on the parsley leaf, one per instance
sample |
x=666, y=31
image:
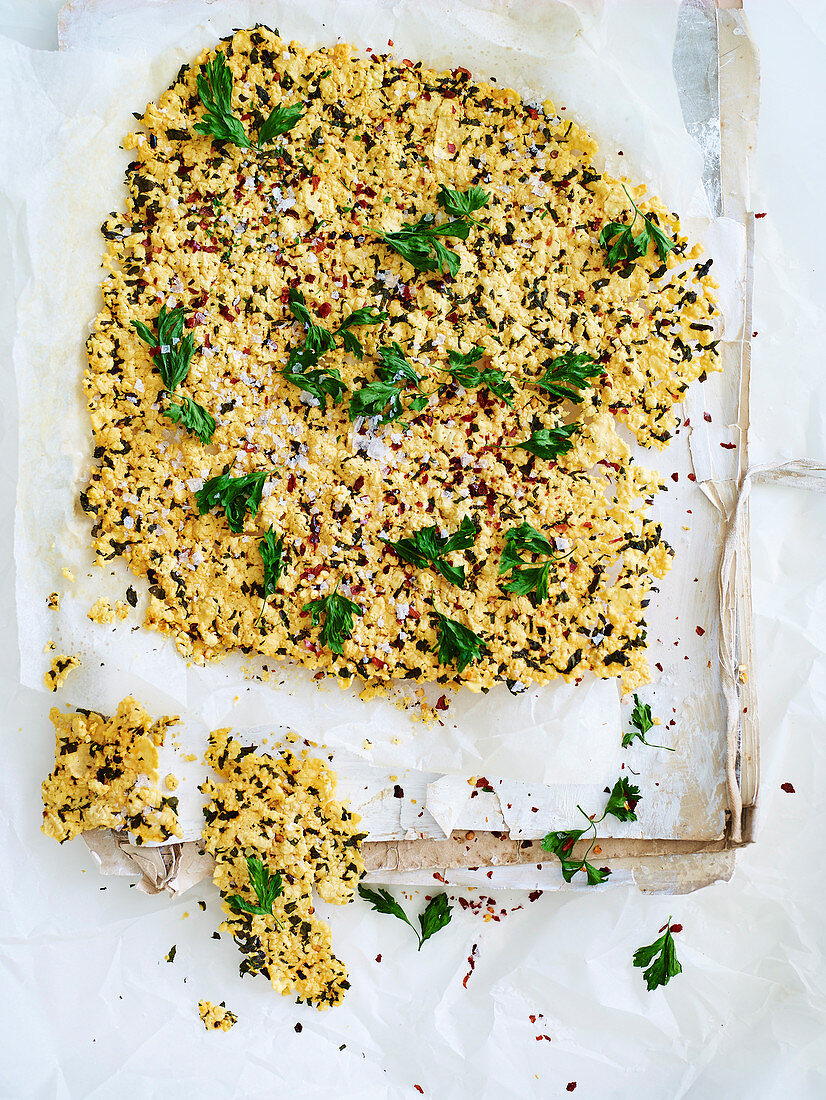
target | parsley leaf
x=272, y=554
x=215, y=92
x=526, y=578
x=383, y=398
x=465, y=374
x=622, y=802
x=171, y=351
x=418, y=243
x=320, y=383
x=435, y=917
x=318, y=339
x=192, y=416
x=367, y=315
x=627, y=247
x=427, y=548
x=642, y=722
x=461, y=204
x=457, y=643
x=236, y=495
x=267, y=888
x=550, y=443
x=561, y=845
x=660, y=958
x=567, y=374
x=279, y=121
x=338, y=614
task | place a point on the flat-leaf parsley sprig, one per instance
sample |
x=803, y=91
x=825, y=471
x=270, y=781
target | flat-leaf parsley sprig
x=171, y=350
x=550, y=443
x=215, y=92
x=419, y=243
x=383, y=397
x=569, y=374
x=622, y=804
x=528, y=576
x=660, y=958
x=272, y=555
x=366, y=315
x=462, y=204
x=463, y=372
x=642, y=722
x=192, y=416
x=427, y=547
x=435, y=916
x=172, y=355
x=457, y=643
x=627, y=247
x=338, y=614
x=236, y=495
x=267, y=888
x=279, y=121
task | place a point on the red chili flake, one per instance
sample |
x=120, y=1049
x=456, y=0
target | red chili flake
x=315, y=181
x=533, y=113
x=699, y=630
x=324, y=310
x=658, y=666
x=676, y=928
x=409, y=64
x=358, y=484
x=398, y=792
x=675, y=477
x=534, y=895
x=707, y=417
x=728, y=446
x=389, y=41
x=787, y=787
x=291, y=483
x=451, y=148
x=570, y=1086
x=692, y=477
x=472, y=957
x=226, y=314
x=299, y=1028
x=426, y=97
x=419, y=1088
x=378, y=958
x=761, y=215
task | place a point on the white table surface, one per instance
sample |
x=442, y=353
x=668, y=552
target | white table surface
x=745, y=1019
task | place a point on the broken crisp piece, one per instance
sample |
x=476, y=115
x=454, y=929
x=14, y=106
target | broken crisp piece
x=280, y=812
x=106, y=776
x=60, y=668
x=216, y=1017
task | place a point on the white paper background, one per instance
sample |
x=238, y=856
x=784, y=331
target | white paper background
x=746, y=1017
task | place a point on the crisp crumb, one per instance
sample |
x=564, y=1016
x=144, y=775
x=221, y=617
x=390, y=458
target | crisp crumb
x=216, y=1017
x=60, y=668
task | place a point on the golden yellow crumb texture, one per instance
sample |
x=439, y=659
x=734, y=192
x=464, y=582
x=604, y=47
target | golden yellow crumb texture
x=227, y=233
x=281, y=810
x=106, y=776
